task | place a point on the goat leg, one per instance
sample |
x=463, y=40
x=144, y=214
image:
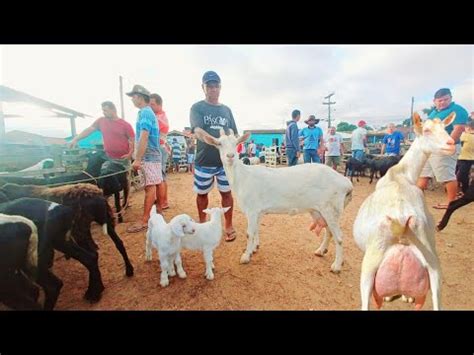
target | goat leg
x=453, y=206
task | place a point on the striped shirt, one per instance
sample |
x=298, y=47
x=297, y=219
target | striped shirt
x=176, y=148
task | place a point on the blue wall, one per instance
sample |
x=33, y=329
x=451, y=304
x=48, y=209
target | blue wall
x=95, y=138
x=266, y=138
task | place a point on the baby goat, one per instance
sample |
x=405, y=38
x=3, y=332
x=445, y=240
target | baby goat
x=207, y=237
x=166, y=238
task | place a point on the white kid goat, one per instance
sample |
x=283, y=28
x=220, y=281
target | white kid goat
x=206, y=237
x=166, y=238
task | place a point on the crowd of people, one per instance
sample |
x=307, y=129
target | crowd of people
x=146, y=148
x=453, y=171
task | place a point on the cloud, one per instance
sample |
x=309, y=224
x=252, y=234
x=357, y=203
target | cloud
x=262, y=84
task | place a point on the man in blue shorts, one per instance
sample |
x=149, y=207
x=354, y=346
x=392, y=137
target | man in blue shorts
x=209, y=116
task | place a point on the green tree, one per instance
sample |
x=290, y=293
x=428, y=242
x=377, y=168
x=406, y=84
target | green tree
x=427, y=111
x=407, y=122
x=345, y=127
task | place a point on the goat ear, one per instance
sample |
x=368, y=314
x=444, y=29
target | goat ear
x=225, y=209
x=448, y=120
x=177, y=229
x=417, y=125
x=243, y=138
x=231, y=131
x=222, y=132
x=207, y=211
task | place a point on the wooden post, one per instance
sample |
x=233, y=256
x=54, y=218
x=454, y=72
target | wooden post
x=121, y=97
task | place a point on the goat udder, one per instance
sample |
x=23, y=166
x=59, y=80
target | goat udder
x=318, y=225
x=402, y=273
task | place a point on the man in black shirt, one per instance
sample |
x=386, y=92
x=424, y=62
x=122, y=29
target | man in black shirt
x=209, y=115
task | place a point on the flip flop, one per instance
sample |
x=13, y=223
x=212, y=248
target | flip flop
x=136, y=228
x=230, y=236
x=165, y=208
x=440, y=206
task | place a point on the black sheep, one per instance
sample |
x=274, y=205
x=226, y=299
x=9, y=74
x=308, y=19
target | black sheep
x=89, y=205
x=54, y=223
x=381, y=165
x=18, y=262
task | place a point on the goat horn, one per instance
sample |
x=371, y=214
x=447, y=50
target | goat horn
x=221, y=131
x=231, y=132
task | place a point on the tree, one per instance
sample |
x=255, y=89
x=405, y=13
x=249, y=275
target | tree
x=345, y=127
x=407, y=122
x=427, y=111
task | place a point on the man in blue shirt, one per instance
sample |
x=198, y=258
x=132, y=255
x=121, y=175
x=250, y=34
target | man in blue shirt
x=313, y=139
x=292, y=140
x=443, y=167
x=391, y=141
x=148, y=155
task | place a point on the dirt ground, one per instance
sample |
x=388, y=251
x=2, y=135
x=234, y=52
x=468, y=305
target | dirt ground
x=283, y=275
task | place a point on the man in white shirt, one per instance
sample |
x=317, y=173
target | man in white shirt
x=359, y=141
x=334, y=148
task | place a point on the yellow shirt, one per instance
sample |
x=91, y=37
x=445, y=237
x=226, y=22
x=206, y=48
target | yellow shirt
x=467, y=150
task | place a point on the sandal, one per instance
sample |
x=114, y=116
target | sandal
x=230, y=236
x=136, y=228
x=440, y=206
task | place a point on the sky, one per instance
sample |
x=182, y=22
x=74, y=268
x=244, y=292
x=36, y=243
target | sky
x=261, y=84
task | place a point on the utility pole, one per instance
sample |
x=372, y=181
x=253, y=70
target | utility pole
x=121, y=96
x=329, y=103
x=412, y=102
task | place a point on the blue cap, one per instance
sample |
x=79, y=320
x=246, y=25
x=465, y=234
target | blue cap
x=210, y=76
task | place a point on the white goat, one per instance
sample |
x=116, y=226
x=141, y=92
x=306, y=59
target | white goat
x=166, y=238
x=313, y=188
x=396, y=213
x=207, y=237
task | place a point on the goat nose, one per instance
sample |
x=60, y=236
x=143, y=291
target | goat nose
x=450, y=141
x=230, y=155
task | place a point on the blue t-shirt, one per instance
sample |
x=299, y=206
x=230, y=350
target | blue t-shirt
x=311, y=137
x=147, y=121
x=392, y=142
x=461, y=116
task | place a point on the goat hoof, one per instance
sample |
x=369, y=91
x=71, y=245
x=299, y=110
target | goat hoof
x=129, y=271
x=245, y=259
x=320, y=252
x=92, y=296
x=182, y=275
x=210, y=277
x=164, y=283
x=335, y=269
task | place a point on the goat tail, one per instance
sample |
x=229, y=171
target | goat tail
x=401, y=227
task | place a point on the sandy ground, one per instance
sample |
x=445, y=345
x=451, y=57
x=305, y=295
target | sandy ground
x=283, y=275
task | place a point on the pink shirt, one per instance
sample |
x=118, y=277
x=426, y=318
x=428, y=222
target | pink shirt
x=116, y=135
